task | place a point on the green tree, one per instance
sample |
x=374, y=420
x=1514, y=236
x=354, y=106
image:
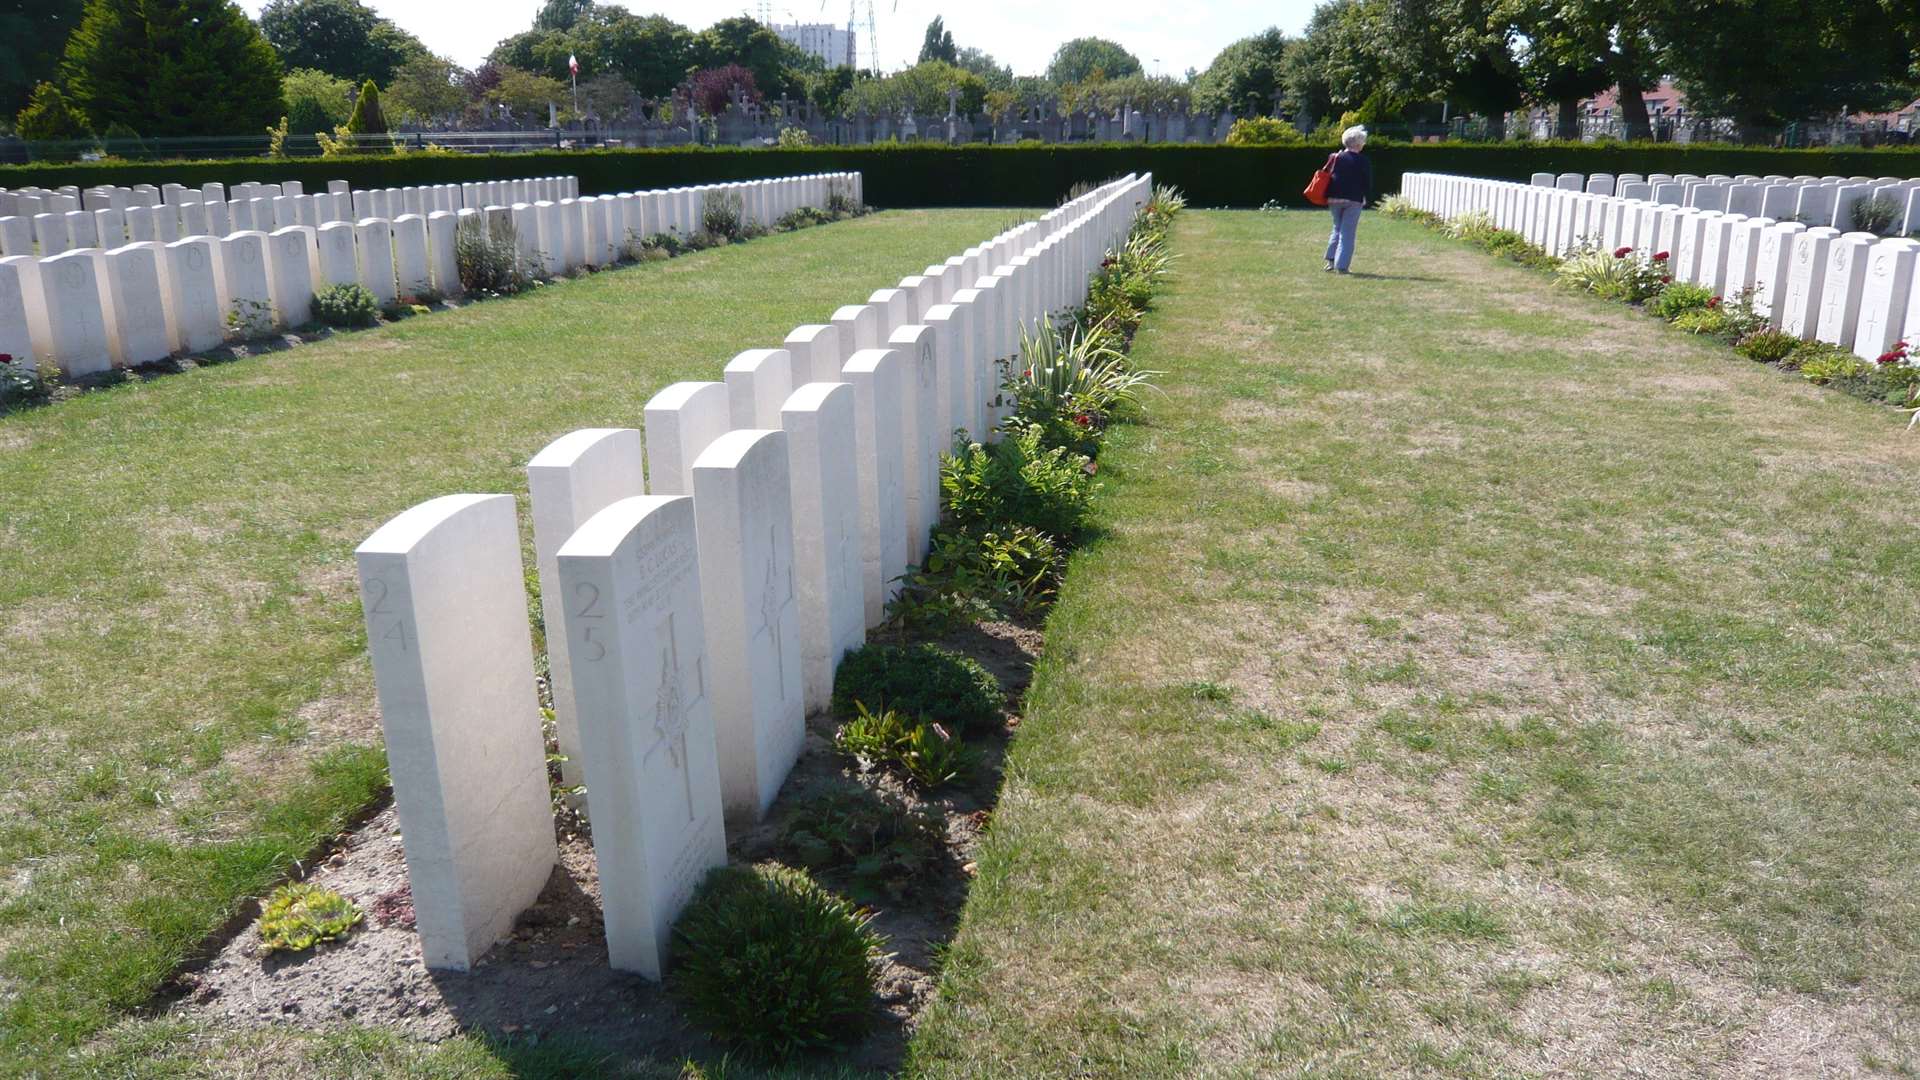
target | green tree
x=173, y=67
x=1079, y=59
x=1245, y=76
x=426, y=88
x=922, y=88
x=651, y=52
x=1337, y=63
x=997, y=76
x=562, y=14
x=367, y=118
x=1766, y=63
x=779, y=69
x=544, y=52
x=32, y=35
x=343, y=38
x=50, y=118
x=1144, y=92
x=939, y=43
x=316, y=101
x=527, y=94
x=1461, y=51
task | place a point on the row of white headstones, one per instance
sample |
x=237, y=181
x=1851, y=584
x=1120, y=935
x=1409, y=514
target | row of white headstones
x=1855, y=289
x=696, y=607
x=1810, y=200
x=47, y=222
x=91, y=309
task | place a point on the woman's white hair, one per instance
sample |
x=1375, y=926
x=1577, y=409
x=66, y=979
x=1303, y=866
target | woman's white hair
x=1354, y=137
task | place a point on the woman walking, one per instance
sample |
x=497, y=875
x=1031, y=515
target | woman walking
x=1347, y=193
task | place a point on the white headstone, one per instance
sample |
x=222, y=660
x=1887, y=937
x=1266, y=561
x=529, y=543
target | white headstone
x=1846, y=282
x=575, y=477
x=825, y=484
x=24, y=334
x=78, y=311
x=374, y=237
x=878, y=377
x=1806, y=277
x=682, y=420
x=859, y=326
x=1771, y=269
x=248, y=289
x=338, y=263
x=410, y=256
x=1885, y=306
x=922, y=430
x=814, y=351
x=142, y=302
x=199, y=292
x=442, y=226
x=291, y=275
x=642, y=682
x=742, y=504
x=442, y=592
x=758, y=382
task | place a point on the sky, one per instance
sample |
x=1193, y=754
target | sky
x=1167, y=38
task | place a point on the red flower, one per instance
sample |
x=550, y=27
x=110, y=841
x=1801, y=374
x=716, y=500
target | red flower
x=1661, y=257
x=6, y=358
x=1887, y=358
x=1029, y=373
x=1668, y=280
x=1713, y=303
x=1623, y=252
x=1083, y=420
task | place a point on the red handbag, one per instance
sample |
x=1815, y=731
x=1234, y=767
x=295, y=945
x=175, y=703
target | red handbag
x=1317, y=187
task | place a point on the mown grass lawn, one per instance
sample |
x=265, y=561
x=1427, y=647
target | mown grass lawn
x=185, y=705
x=1473, y=680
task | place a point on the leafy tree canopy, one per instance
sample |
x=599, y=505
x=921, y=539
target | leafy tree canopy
x=1079, y=59
x=1245, y=76
x=32, y=35
x=173, y=67
x=316, y=101
x=426, y=88
x=939, y=43
x=344, y=38
x=922, y=87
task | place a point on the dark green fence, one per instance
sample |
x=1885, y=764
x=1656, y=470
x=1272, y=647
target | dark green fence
x=1028, y=175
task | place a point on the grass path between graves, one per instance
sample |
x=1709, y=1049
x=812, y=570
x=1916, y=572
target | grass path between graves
x=1473, y=680
x=185, y=703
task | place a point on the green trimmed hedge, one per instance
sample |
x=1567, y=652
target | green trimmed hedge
x=1027, y=175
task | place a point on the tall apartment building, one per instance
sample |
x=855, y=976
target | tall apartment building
x=832, y=44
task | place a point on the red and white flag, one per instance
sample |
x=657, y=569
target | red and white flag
x=573, y=64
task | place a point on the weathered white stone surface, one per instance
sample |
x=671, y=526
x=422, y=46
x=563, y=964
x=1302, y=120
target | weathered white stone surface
x=374, y=238
x=75, y=288
x=878, y=377
x=142, y=302
x=21, y=306
x=249, y=289
x=199, y=292
x=1840, y=296
x=1770, y=269
x=1743, y=249
x=920, y=431
x=814, y=352
x=743, y=507
x=859, y=326
x=442, y=592
x=290, y=274
x=442, y=225
x=682, y=420
x=1806, y=278
x=1715, y=233
x=573, y=478
x=1886, y=303
x=758, y=382
x=410, y=255
x=825, y=486
x=338, y=263
x=631, y=575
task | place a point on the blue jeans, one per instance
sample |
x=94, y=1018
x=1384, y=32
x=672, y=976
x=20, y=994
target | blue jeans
x=1346, y=222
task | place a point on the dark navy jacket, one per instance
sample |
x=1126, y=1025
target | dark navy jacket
x=1352, y=177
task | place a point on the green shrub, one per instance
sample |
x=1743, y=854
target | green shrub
x=721, y=215
x=488, y=259
x=1767, y=346
x=1702, y=320
x=1878, y=215
x=1073, y=382
x=346, y=304
x=767, y=959
x=1679, y=297
x=53, y=127
x=1618, y=275
x=299, y=916
x=1018, y=481
x=870, y=838
x=968, y=576
x=925, y=752
x=1821, y=363
x=921, y=680
x=1263, y=131
x=21, y=385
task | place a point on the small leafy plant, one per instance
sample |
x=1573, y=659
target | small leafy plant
x=926, y=753
x=1821, y=363
x=1878, y=215
x=1679, y=297
x=871, y=838
x=488, y=259
x=299, y=916
x=769, y=960
x=1018, y=481
x=345, y=305
x=248, y=318
x=20, y=384
x=921, y=680
x=721, y=216
x=1618, y=275
x=1767, y=345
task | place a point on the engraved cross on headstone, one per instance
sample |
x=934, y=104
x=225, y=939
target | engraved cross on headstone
x=670, y=712
x=770, y=607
